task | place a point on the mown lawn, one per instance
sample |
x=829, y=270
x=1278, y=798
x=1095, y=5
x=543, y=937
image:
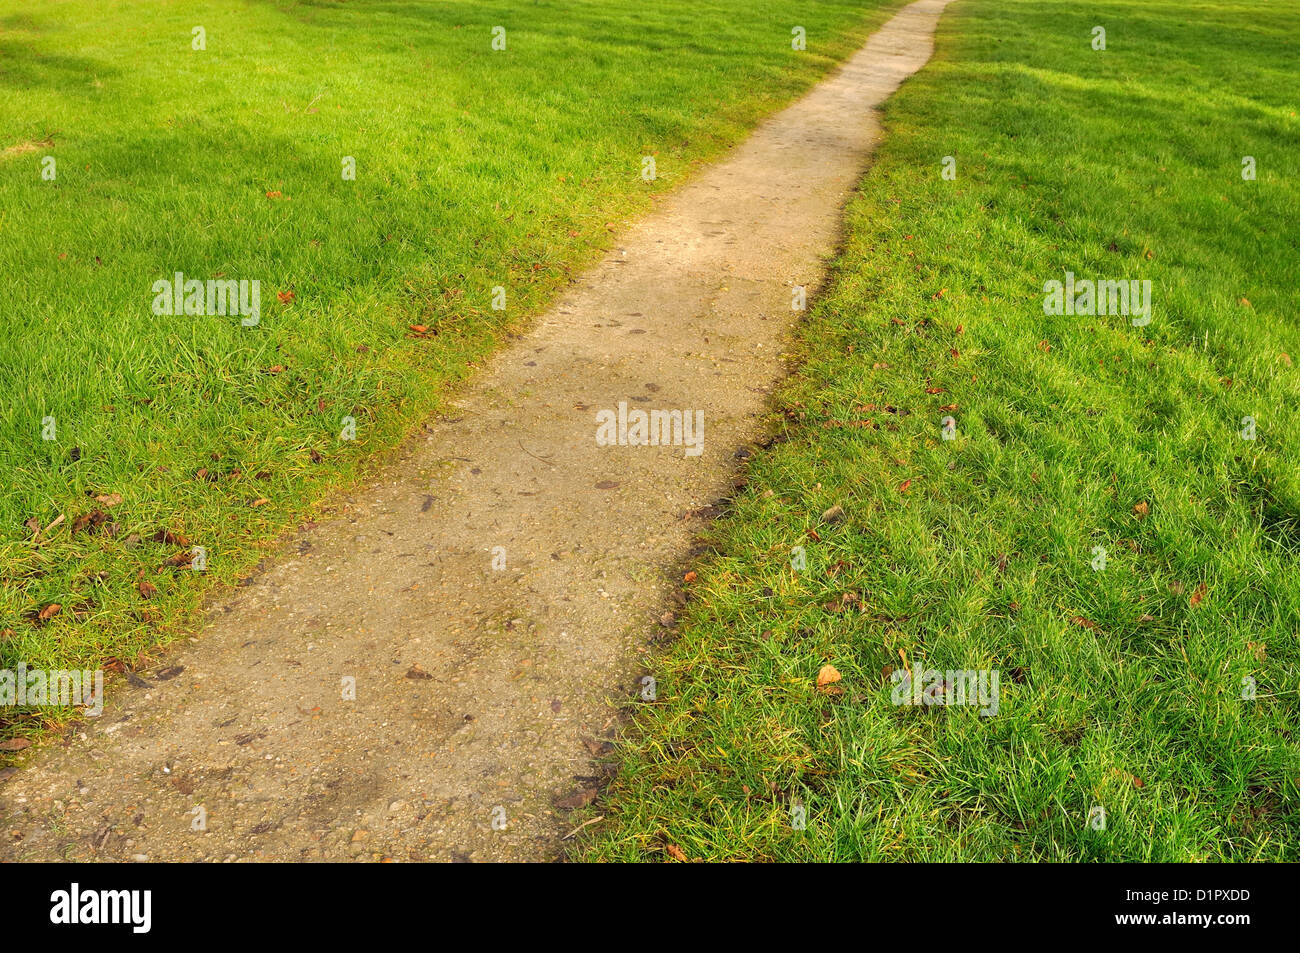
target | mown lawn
x=474, y=168
x=1122, y=689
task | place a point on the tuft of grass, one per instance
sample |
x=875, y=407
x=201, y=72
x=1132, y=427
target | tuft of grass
x=1125, y=689
x=475, y=169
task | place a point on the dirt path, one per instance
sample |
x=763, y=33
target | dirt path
x=481, y=692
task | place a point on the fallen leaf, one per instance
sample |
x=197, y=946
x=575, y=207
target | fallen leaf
x=147, y=589
x=260, y=501
x=34, y=524
x=284, y=296
x=1197, y=596
x=1141, y=510
x=827, y=675
x=676, y=853
x=170, y=538
x=109, y=499
x=579, y=798
x=689, y=577
x=905, y=485
x=89, y=521
x=834, y=515
x=273, y=195
x=1086, y=623
x=417, y=673
x=49, y=612
x=15, y=744
x=1044, y=346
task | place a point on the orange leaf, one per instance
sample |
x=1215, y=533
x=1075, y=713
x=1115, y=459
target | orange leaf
x=1197, y=596
x=284, y=296
x=827, y=675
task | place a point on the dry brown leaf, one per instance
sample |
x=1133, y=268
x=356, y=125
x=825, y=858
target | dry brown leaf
x=676, y=853
x=1197, y=596
x=579, y=798
x=170, y=538
x=827, y=675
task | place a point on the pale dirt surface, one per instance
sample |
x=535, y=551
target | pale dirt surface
x=525, y=668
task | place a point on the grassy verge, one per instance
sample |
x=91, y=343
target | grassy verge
x=1124, y=691
x=475, y=169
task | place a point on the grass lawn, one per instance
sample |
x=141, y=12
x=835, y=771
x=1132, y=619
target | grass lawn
x=1124, y=686
x=475, y=169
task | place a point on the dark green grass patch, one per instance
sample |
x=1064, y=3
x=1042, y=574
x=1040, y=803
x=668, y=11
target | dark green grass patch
x=1160, y=689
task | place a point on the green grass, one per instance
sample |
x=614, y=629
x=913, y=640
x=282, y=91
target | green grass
x=1120, y=688
x=475, y=168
